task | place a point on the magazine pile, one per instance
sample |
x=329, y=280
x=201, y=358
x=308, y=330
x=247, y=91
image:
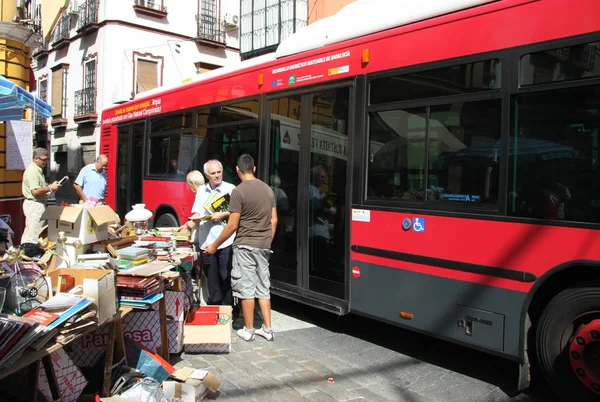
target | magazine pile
x=62, y=318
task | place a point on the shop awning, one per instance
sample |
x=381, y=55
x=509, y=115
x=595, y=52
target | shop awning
x=13, y=99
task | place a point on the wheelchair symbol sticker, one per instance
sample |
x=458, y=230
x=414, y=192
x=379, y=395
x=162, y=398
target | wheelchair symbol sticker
x=419, y=224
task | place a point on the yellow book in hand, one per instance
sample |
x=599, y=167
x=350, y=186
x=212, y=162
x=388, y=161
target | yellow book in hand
x=208, y=204
x=198, y=217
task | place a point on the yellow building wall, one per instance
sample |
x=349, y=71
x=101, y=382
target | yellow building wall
x=14, y=65
x=51, y=11
x=8, y=10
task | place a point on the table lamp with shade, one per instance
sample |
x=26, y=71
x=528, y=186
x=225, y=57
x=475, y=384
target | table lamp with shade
x=139, y=216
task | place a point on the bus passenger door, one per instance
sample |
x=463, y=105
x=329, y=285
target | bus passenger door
x=308, y=172
x=129, y=166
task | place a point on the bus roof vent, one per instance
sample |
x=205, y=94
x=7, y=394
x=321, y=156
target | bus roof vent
x=363, y=17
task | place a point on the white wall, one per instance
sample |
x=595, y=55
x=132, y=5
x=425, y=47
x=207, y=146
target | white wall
x=118, y=67
x=115, y=44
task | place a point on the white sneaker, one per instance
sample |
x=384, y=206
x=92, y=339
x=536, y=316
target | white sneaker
x=246, y=334
x=269, y=335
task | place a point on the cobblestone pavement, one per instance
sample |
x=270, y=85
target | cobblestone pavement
x=320, y=357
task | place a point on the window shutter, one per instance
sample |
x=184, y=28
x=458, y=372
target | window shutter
x=147, y=75
x=57, y=92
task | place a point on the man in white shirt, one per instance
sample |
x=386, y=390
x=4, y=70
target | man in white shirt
x=217, y=266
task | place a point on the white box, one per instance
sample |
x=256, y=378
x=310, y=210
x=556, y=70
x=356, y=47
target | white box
x=90, y=347
x=71, y=381
x=193, y=390
x=175, y=334
x=99, y=284
x=143, y=327
x=86, y=224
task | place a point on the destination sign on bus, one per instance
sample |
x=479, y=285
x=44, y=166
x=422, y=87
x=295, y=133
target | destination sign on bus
x=143, y=109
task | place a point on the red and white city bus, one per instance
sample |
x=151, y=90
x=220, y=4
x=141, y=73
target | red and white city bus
x=436, y=166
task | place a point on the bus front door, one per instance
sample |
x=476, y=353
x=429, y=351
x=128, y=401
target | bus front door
x=308, y=171
x=129, y=167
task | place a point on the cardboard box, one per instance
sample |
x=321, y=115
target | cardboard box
x=175, y=334
x=86, y=224
x=86, y=350
x=202, y=335
x=143, y=327
x=71, y=381
x=193, y=389
x=175, y=310
x=67, y=254
x=99, y=284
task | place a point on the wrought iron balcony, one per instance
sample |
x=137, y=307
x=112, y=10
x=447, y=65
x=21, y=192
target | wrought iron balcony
x=210, y=30
x=153, y=8
x=85, y=105
x=61, y=33
x=30, y=17
x=41, y=51
x=88, y=16
x=41, y=122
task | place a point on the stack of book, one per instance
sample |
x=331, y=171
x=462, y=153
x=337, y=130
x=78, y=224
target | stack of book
x=130, y=257
x=119, y=264
x=133, y=253
x=16, y=335
x=138, y=291
x=63, y=318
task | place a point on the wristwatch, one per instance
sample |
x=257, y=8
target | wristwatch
x=49, y=190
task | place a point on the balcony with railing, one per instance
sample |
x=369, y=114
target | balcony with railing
x=211, y=31
x=62, y=32
x=85, y=106
x=152, y=8
x=41, y=51
x=88, y=16
x=41, y=123
x=30, y=16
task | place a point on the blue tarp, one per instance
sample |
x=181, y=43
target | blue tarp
x=13, y=99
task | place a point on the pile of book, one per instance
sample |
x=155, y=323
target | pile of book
x=132, y=253
x=130, y=257
x=16, y=335
x=138, y=291
x=62, y=318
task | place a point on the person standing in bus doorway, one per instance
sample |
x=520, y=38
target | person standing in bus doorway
x=91, y=181
x=36, y=192
x=216, y=266
x=322, y=209
x=253, y=214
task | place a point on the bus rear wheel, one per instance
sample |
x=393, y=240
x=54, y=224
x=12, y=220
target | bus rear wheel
x=568, y=344
x=166, y=220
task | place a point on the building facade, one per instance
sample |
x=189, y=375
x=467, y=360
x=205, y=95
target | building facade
x=102, y=52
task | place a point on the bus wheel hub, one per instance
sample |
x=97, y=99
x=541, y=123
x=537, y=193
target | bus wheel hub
x=584, y=355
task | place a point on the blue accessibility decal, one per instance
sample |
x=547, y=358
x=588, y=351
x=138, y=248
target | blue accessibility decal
x=418, y=224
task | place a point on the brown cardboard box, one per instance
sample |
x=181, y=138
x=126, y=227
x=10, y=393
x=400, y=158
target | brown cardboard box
x=192, y=389
x=99, y=284
x=86, y=224
x=203, y=338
